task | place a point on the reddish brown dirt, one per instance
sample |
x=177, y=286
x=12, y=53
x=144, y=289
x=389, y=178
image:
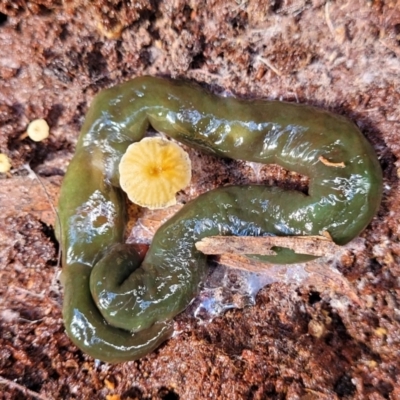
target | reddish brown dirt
x=296, y=342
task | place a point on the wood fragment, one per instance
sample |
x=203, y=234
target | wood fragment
x=331, y=164
x=327, y=235
x=323, y=277
x=314, y=274
x=329, y=21
x=236, y=261
x=390, y=47
x=270, y=65
x=312, y=245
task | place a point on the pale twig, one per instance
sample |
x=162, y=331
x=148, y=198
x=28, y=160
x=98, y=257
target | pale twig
x=315, y=274
x=312, y=245
x=329, y=21
x=390, y=47
x=236, y=261
x=204, y=72
x=39, y=296
x=269, y=65
x=23, y=389
x=240, y=5
x=322, y=277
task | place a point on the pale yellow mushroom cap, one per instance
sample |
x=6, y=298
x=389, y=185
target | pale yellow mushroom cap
x=153, y=170
x=38, y=130
x=5, y=164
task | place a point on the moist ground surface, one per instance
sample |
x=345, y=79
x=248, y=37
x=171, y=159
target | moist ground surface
x=298, y=341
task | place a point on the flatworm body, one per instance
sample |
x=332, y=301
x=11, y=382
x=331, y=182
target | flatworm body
x=126, y=313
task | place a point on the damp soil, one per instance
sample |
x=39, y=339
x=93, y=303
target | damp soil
x=296, y=341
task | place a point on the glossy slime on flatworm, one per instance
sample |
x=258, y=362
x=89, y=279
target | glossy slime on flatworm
x=117, y=308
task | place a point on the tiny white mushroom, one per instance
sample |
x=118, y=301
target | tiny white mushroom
x=38, y=130
x=5, y=164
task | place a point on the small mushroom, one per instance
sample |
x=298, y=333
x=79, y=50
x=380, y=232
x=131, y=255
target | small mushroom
x=5, y=164
x=38, y=130
x=153, y=170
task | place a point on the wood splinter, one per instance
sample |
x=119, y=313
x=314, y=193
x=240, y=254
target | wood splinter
x=312, y=245
x=312, y=274
x=231, y=250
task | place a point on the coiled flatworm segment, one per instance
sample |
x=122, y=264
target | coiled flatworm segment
x=127, y=314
